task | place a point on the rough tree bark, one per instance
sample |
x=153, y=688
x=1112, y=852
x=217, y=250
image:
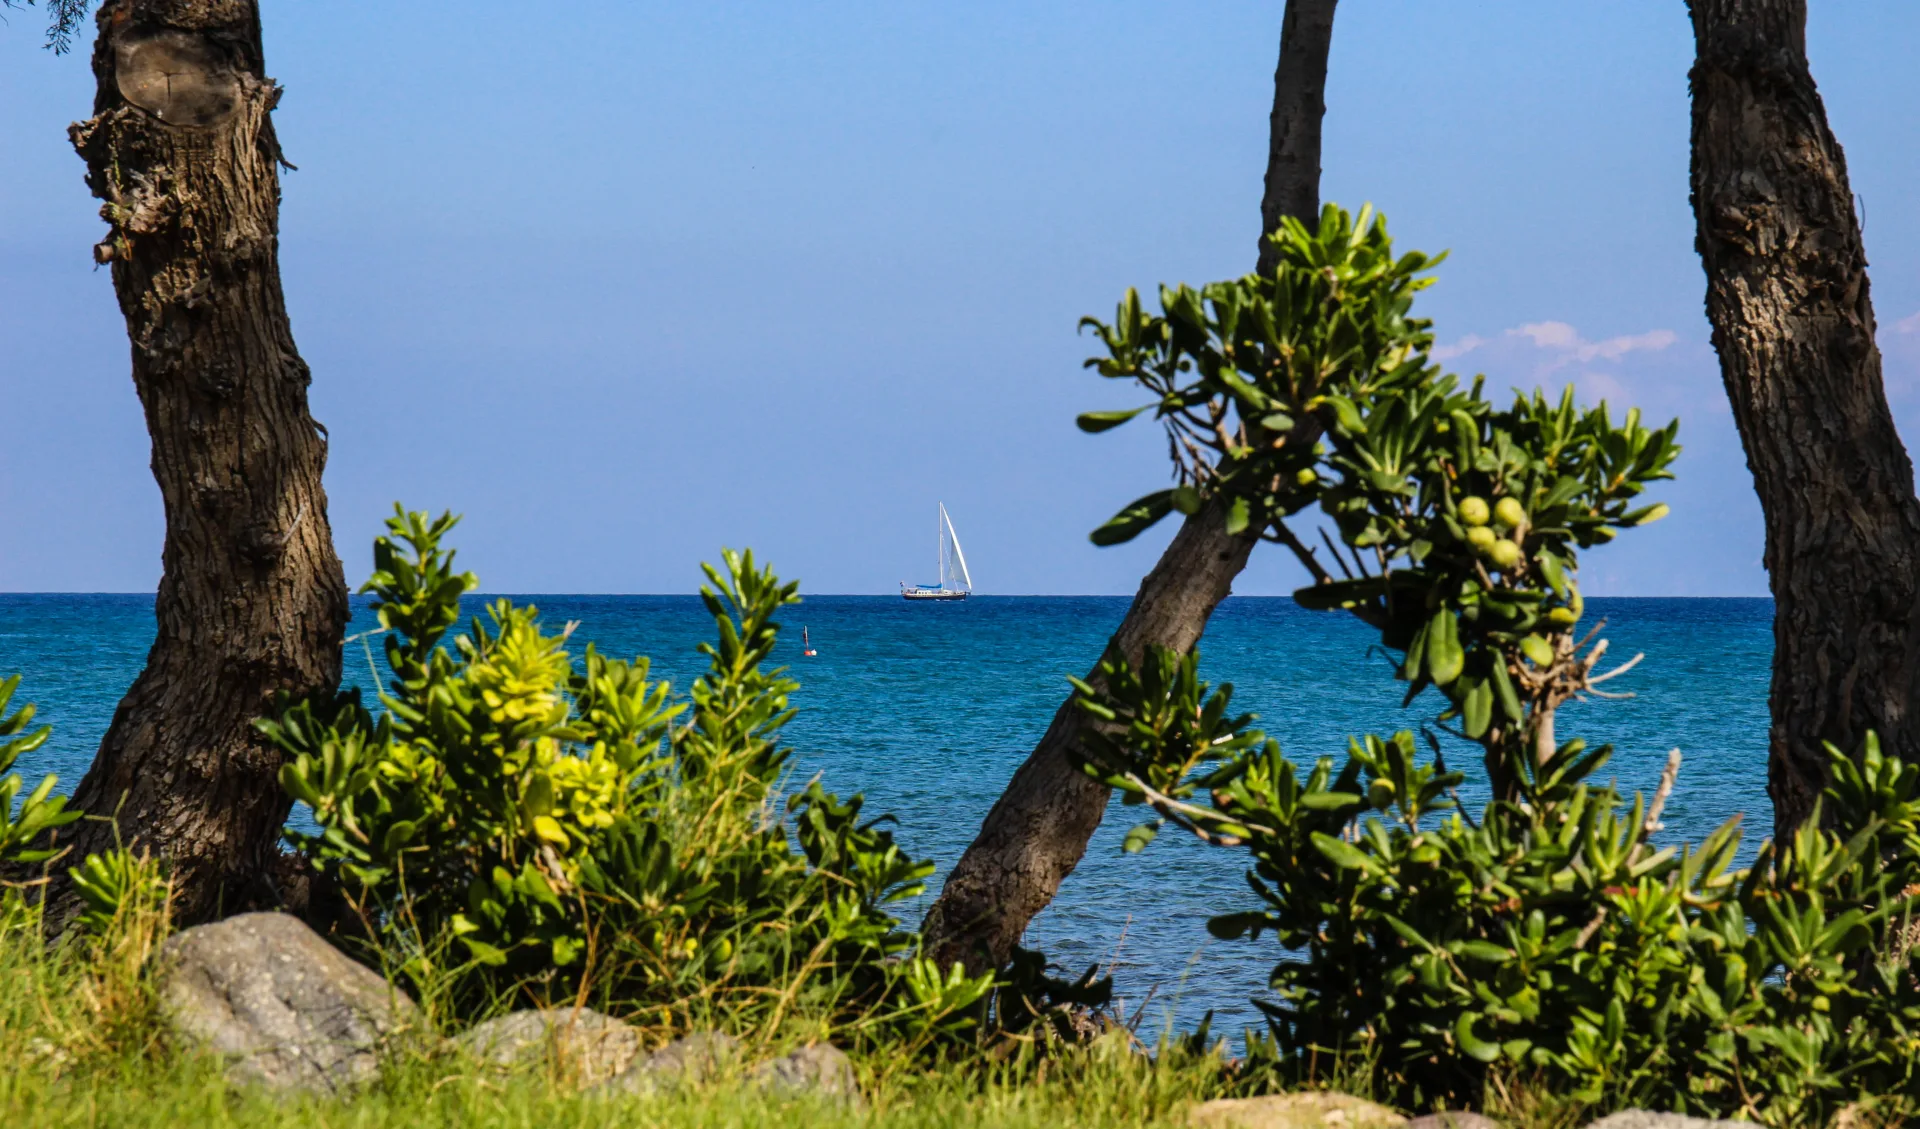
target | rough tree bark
x=181, y=148
x=1793, y=325
x=1038, y=830
x=1293, y=131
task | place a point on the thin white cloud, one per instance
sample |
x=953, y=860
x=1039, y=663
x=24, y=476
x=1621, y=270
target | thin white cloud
x=1908, y=324
x=1603, y=386
x=1548, y=334
x=1614, y=348
x=1464, y=346
x=1563, y=338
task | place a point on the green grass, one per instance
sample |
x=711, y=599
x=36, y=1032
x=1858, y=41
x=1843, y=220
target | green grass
x=87, y=1045
x=189, y=1091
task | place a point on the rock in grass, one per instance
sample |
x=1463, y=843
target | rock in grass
x=288, y=1010
x=688, y=1061
x=821, y=1070
x=1453, y=1119
x=1318, y=1109
x=581, y=1043
x=1649, y=1119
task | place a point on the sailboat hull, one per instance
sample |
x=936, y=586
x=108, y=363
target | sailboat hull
x=931, y=594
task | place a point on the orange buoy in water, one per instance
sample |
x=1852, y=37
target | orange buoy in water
x=806, y=645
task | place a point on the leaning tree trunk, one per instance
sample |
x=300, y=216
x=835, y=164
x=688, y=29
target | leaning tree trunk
x=252, y=600
x=1038, y=830
x=1793, y=324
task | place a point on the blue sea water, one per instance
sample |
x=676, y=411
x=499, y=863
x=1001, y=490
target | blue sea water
x=928, y=709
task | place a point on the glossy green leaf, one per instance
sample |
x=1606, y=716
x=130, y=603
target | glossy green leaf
x=1471, y=1043
x=1444, y=655
x=1344, y=855
x=1238, y=516
x=1134, y=520
x=1138, y=837
x=1476, y=707
x=1538, y=650
x=1095, y=422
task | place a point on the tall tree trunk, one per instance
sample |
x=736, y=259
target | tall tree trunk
x=1793, y=325
x=1038, y=830
x=1293, y=129
x=252, y=601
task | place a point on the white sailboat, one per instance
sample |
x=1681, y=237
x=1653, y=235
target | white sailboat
x=955, y=583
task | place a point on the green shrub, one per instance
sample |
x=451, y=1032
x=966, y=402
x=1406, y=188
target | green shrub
x=1242, y=372
x=1550, y=940
x=519, y=820
x=23, y=824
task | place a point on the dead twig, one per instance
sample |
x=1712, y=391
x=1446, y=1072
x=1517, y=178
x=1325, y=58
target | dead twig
x=1617, y=671
x=1592, y=927
x=1668, y=775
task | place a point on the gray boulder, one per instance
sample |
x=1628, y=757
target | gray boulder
x=288, y=1010
x=1648, y=1119
x=822, y=1070
x=689, y=1061
x=1314, y=1109
x=580, y=1043
x=1453, y=1119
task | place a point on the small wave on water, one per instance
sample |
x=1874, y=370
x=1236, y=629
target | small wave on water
x=929, y=708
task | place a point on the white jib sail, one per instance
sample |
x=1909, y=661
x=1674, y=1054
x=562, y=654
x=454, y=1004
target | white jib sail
x=960, y=558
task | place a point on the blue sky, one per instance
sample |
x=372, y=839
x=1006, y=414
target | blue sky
x=625, y=282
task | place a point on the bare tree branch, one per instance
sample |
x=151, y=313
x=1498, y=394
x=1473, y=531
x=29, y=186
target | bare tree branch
x=1302, y=553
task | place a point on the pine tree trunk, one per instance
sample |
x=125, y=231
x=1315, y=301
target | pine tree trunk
x=1293, y=132
x=1038, y=830
x=1793, y=325
x=252, y=601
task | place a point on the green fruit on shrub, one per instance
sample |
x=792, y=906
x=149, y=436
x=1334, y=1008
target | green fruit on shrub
x=1480, y=537
x=1509, y=512
x=1306, y=477
x=1473, y=510
x=1504, y=553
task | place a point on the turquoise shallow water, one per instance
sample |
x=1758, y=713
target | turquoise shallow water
x=928, y=708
